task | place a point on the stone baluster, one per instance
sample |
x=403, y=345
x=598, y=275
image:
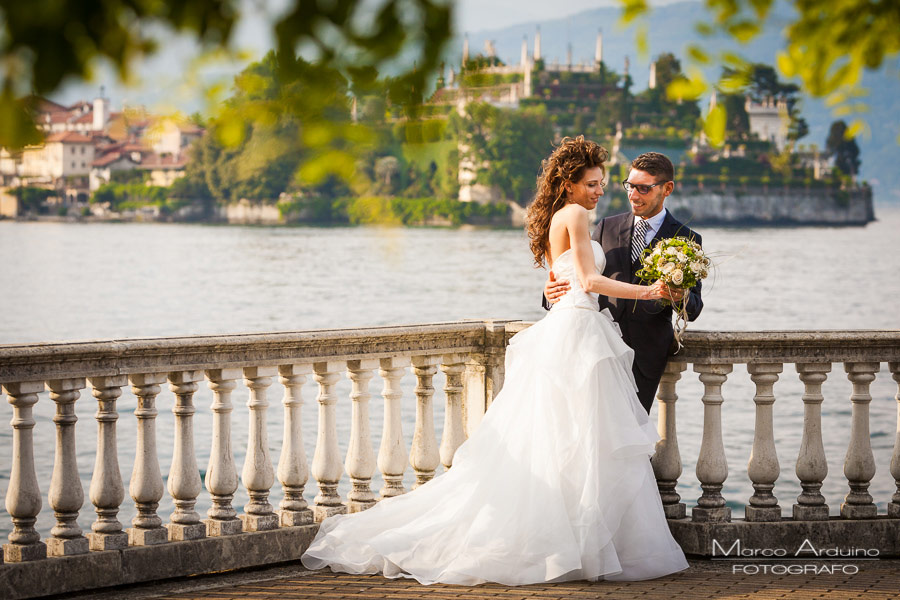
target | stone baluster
x=146, y=487
x=293, y=471
x=666, y=460
x=326, y=466
x=712, y=468
x=184, y=475
x=66, y=494
x=360, y=461
x=763, y=468
x=107, y=491
x=221, y=473
x=424, y=456
x=392, y=452
x=812, y=466
x=23, y=497
x=859, y=464
x=894, y=505
x=474, y=392
x=258, y=474
x=494, y=360
x=453, y=367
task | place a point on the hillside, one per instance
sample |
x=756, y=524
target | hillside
x=671, y=29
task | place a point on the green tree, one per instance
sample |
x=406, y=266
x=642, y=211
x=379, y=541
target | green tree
x=827, y=46
x=45, y=42
x=509, y=143
x=843, y=148
x=737, y=124
x=387, y=169
x=668, y=69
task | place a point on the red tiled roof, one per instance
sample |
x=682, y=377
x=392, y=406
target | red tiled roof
x=44, y=105
x=112, y=157
x=135, y=147
x=68, y=137
x=85, y=118
x=58, y=116
x=155, y=161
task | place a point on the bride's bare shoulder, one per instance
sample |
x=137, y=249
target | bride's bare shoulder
x=570, y=212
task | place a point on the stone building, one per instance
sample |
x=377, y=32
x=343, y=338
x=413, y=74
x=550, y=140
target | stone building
x=769, y=120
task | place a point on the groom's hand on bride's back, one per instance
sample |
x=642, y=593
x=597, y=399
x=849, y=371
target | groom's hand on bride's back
x=554, y=289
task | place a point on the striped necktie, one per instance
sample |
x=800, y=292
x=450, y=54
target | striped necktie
x=637, y=239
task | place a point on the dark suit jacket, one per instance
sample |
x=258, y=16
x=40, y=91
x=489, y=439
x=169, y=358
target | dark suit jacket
x=646, y=325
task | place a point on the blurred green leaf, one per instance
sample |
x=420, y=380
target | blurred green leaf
x=643, y=45
x=690, y=88
x=827, y=46
x=714, y=126
x=697, y=54
x=744, y=31
x=633, y=9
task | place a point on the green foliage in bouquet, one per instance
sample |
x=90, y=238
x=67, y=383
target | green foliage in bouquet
x=678, y=261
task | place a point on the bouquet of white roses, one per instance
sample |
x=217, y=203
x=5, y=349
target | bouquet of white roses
x=680, y=263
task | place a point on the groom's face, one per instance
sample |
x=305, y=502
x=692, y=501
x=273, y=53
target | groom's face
x=649, y=204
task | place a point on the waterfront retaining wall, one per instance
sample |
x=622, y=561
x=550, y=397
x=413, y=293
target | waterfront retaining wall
x=773, y=206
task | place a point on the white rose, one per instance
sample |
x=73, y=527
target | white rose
x=682, y=257
x=668, y=268
x=696, y=267
x=671, y=250
x=677, y=277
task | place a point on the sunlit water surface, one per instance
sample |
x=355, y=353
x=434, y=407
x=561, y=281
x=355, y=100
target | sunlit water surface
x=102, y=281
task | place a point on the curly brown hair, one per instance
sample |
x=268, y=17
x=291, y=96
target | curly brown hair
x=567, y=164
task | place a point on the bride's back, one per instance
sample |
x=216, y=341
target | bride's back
x=558, y=234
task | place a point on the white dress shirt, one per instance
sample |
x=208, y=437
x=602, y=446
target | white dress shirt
x=653, y=225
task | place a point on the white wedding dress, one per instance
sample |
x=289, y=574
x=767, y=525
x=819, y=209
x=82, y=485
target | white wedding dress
x=555, y=483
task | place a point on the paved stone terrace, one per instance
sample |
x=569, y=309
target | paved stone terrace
x=705, y=579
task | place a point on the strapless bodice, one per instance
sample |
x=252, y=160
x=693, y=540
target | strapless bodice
x=564, y=268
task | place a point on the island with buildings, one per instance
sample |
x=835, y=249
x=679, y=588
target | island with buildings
x=469, y=154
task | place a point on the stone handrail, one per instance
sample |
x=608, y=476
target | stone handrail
x=471, y=355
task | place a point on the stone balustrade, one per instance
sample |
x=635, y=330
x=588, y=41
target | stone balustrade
x=713, y=356
x=469, y=354
x=154, y=546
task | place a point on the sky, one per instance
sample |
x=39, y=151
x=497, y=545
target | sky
x=168, y=81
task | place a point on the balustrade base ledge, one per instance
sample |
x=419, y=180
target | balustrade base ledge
x=295, y=518
x=180, y=533
x=881, y=534
x=762, y=513
x=14, y=553
x=216, y=528
x=355, y=507
x=711, y=515
x=100, y=542
x=67, y=547
x=802, y=512
x=136, y=564
x=320, y=513
x=147, y=537
x=260, y=522
x=858, y=511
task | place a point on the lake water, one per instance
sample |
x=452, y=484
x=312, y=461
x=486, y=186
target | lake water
x=101, y=281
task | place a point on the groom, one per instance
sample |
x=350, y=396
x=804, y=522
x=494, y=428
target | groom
x=646, y=326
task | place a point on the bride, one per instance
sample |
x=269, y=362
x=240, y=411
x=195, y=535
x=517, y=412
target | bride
x=555, y=484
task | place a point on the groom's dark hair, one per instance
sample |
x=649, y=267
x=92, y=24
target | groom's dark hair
x=656, y=164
